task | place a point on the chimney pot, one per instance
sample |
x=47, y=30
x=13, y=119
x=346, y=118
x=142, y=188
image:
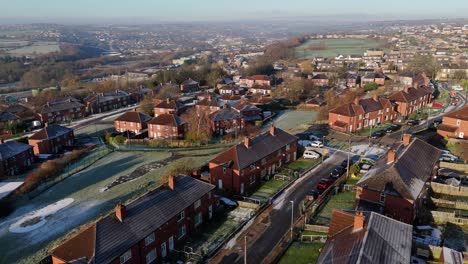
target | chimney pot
x=120, y=211
x=358, y=220
x=406, y=139
x=171, y=182
x=247, y=142
x=391, y=156
x=273, y=130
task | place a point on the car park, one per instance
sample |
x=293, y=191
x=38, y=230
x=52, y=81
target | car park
x=378, y=134
x=323, y=184
x=310, y=154
x=392, y=128
x=317, y=144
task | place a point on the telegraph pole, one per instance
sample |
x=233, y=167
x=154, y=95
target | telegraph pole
x=245, y=249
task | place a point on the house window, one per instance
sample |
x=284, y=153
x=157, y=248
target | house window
x=263, y=161
x=387, y=109
x=149, y=239
x=126, y=256
x=367, y=115
x=252, y=179
x=224, y=170
x=360, y=117
x=287, y=147
x=209, y=196
x=198, y=219
x=180, y=216
x=151, y=256
x=382, y=197
x=181, y=232
x=163, y=250
x=458, y=122
x=197, y=204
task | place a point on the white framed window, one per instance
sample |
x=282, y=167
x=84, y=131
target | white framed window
x=151, y=256
x=181, y=216
x=149, y=239
x=458, y=122
x=382, y=197
x=224, y=170
x=163, y=250
x=198, y=219
x=181, y=232
x=288, y=147
x=360, y=117
x=126, y=256
x=252, y=179
x=171, y=243
x=197, y=203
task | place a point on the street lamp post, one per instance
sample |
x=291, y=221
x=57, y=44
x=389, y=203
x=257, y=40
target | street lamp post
x=292, y=218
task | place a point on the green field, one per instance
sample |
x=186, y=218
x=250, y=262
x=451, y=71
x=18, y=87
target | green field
x=343, y=201
x=334, y=47
x=23, y=48
x=301, y=253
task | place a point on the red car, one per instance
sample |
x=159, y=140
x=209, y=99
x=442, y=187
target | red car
x=323, y=184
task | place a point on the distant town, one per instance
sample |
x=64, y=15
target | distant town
x=234, y=143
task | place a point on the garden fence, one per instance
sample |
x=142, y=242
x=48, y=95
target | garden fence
x=449, y=189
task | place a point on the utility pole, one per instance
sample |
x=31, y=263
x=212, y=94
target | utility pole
x=347, y=169
x=292, y=218
x=245, y=250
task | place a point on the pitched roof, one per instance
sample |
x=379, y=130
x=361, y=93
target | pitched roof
x=7, y=116
x=209, y=101
x=144, y=215
x=60, y=105
x=239, y=156
x=381, y=240
x=134, y=117
x=409, y=96
x=189, y=82
x=50, y=132
x=259, y=78
x=350, y=109
x=168, y=104
x=167, y=120
x=320, y=76
x=374, y=75
x=461, y=113
x=12, y=148
x=225, y=114
x=408, y=174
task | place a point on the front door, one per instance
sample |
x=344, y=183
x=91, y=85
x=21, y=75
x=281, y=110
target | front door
x=220, y=184
x=242, y=188
x=171, y=243
x=210, y=214
x=163, y=250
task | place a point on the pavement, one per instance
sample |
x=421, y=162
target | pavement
x=276, y=221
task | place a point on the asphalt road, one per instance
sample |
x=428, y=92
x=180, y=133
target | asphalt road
x=281, y=217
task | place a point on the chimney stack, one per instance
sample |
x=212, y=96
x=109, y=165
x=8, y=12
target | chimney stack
x=168, y=100
x=247, y=142
x=358, y=220
x=46, y=124
x=356, y=101
x=375, y=97
x=391, y=156
x=406, y=89
x=120, y=211
x=171, y=182
x=406, y=139
x=273, y=130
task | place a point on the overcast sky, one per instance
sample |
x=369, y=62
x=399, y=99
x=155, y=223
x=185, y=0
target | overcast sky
x=204, y=10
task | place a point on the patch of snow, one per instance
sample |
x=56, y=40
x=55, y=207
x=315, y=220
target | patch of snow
x=8, y=187
x=39, y=217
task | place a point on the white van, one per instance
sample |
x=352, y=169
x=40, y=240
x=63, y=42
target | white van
x=310, y=154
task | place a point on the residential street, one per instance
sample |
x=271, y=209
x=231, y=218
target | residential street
x=280, y=215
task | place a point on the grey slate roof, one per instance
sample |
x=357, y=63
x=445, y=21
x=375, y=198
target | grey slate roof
x=50, y=132
x=58, y=106
x=225, y=114
x=408, y=174
x=145, y=215
x=7, y=116
x=12, y=148
x=382, y=240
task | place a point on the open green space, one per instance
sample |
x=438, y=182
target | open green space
x=301, y=253
x=334, y=47
x=295, y=121
x=303, y=164
x=269, y=189
x=343, y=200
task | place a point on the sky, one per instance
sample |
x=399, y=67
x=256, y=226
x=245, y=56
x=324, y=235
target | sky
x=212, y=10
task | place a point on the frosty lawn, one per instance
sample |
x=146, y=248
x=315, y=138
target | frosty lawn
x=301, y=253
x=343, y=200
x=295, y=121
x=8, y=187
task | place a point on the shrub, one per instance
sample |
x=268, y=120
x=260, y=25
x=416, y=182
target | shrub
x=354, y=169
x=371, y=86
x=119, y=139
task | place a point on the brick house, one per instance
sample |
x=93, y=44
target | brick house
x=249, y=113
x=208, y=105
x=361, y=114
x=263, y=90
x=52, y=139
x=320, y=80
x=132, y=121
x=366, y=236
x=102, y=102
x=15, y=158
x=256, y=80
x=410, y=100
x=166, y=126
x=226, y=120
x=455, y=124
x=61, y=111
x=352, y=80
x=147, y=230
x=398, y=189
x=189, y=86
x=240, y=169
x=373, y=77
x=167, y=106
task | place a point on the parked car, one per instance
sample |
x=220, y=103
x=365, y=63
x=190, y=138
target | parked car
x=314, y=195
x=304, y=143
x=317, y=144
x=378, y=134
x=437, y=121
x=344, y=163
x=448, y=158
x=323, y=184
x=337, y=172
x=393, y=128
x=454, y=102
x=227, y=203
x=313, y=137
x=310, y=154
x=412, y=122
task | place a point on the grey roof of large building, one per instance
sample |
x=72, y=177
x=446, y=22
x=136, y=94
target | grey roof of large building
x=381, y=240
x=12, y=148
x=408, y=174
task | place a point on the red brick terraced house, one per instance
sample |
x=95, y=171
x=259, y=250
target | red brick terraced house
x=256, y=80
x=208, y=105
x=132, y=121
x=249, y=113
x=225, y=121
x=361, y=114
x=189, y=86
x=62, y=111
x=102, y=102
x=166, y=126
x=263, y=90
x=240, y=169
x=398, y=189
x=373, y=77
x=52, y=139
x=410, y=100
x=168, y=106
x=15, y=158
x=147, y=230
x=455, y=124
x=320, y=80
